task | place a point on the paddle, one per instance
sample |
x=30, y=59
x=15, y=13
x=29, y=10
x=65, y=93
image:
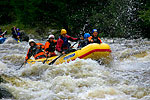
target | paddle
x=45, y=60
x=3, y=33
x=52, y=62
x=21, y=66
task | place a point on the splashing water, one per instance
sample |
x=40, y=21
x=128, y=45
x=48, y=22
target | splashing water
x=126, y=79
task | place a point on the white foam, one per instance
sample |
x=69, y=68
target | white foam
x=2, y=66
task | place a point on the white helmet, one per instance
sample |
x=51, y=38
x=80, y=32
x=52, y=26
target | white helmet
x=51, y=36
x=31, y=40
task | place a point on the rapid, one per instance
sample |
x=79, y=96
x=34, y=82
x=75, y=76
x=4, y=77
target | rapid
x=126, y=78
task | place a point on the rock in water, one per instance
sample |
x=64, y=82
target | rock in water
x=4, y=93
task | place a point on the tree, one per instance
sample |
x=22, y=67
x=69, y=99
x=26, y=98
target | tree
x=6, y=12
x=144, y=16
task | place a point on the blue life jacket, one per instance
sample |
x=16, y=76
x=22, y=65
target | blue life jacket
x=18, y=34
x=66, y=44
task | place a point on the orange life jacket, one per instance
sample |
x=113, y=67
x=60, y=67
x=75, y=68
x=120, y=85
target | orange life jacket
x=50, y=46
x=95, y=40
x=35, y=51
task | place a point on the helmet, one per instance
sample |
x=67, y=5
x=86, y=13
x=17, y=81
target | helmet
x=31, y=40
x=94, y=30
x=63, y=31
x=18, y=29
x=86, y=35
x=51, y=36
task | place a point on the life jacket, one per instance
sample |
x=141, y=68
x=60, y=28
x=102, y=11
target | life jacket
x=95, y=39
x=14, y=35
x=36, y=51
x=1, y=34
x=18, y=34
x=50, y=46
x=65, y=44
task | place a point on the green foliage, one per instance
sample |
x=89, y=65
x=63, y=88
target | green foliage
x=113, y=18
x=145, y=15
x=6, y=14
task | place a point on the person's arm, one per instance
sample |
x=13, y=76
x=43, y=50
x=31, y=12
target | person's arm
x=100, y=40
x=55, y=42
x=40, y=45
x=72, y=39
x=90, y=39
x=28, y=55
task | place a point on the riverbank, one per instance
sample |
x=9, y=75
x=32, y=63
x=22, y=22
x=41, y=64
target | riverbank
x=33, y=32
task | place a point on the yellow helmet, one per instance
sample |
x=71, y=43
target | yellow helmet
x=63, y=31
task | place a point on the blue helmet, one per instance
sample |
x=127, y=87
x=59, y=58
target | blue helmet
x=18, y=29
x=94, y=30
x=86, y=35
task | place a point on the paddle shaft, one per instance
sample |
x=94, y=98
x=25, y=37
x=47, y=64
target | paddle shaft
x=45, y=60
x=20, y=66
x=73, y=44
x=52, y=62
x=4, y=32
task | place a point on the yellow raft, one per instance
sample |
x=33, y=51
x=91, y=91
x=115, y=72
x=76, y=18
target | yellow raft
x=94, y=51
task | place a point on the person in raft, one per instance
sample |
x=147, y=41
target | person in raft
x=94, y=38
x=63, y=45
x=2, y=33
x=14, y=33
x=50, y=46
x=18, y=34
x=84, y=42
x=35, y=50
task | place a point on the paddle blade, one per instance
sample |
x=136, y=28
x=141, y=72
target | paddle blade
x=18, y=41
x=52, y=62
x=44, y=61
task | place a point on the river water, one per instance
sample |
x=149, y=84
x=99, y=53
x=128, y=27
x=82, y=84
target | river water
x=127, y=78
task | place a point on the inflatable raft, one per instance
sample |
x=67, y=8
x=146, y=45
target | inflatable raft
x=2, y=40
x=94, y=51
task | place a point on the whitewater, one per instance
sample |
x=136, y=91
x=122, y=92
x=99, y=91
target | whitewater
x=126, y=78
